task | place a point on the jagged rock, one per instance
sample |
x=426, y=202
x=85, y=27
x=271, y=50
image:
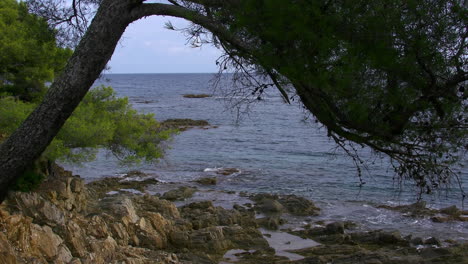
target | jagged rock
x=6, y=251
x=75, y=238
x=61, y=223
x=125, y=209
x=35, y=206
x=148, y=203
x=210, y=239
x=44, y=241
x=63, y=255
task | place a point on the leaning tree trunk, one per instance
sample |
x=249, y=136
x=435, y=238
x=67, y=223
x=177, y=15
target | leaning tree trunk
x=27, y=143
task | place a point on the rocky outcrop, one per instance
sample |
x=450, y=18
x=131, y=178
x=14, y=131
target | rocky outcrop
x=65, y=221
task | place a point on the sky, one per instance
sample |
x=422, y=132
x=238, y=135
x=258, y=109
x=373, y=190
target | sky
x=148, y=47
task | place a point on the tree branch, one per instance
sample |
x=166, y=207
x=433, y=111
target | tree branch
x=159, y=9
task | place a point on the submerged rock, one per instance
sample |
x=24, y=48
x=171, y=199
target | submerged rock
x=185, y=124
x=196, y=95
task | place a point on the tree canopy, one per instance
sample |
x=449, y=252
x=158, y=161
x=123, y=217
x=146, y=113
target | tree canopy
x=101, y=120
x=29, y=55
x=385, y=74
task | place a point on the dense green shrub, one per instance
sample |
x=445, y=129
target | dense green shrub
x=101, y=121
x=28, y=181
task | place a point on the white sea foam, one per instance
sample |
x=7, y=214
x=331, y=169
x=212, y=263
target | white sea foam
x=211, y=169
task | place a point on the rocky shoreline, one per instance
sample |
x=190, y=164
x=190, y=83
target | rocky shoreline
x=114, y=220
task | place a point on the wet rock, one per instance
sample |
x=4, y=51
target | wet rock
x=245, y=238
x=271, y=222
x=227, y=171
x=432, y=241
x=196, y=95
x=269, y=206
x=204, y=214
x=451, y=210
x=417, y=209
x=440, y=219
x=298, y=205
x=183, y=124
x=180, y=193
x=335, y=228
x=417, y=241
x=292, y=204
x=350, y=225
x=207, y=181
x=136, y=173
x=435, y=253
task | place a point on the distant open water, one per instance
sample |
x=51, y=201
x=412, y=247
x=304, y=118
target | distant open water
x=277, y=149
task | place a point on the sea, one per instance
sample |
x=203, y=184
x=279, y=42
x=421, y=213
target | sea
x=277, y=148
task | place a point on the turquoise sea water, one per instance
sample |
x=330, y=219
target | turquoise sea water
x=277, y=148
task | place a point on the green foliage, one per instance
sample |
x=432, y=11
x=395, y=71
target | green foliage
x=101, y=121
x=12, y=113
x=386, y=74
x=28, y=181
x=29, y=56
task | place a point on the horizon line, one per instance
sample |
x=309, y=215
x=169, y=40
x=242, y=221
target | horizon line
x=162, y=72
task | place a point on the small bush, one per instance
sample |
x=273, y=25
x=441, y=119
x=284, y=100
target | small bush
x=29, y=181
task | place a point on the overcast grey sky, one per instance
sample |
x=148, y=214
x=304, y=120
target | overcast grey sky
x=147, y=47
